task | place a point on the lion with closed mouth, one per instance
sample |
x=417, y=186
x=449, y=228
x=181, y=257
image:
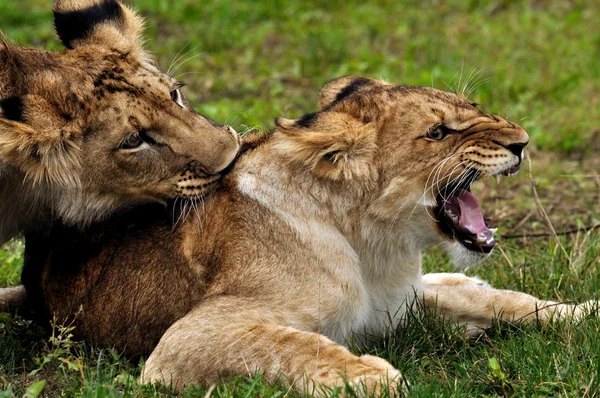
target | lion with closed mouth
x=97, y=127
x=314, y=239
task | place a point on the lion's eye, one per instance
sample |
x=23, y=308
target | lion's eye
x=177, y=97
x=438, y=133
x=132, y=141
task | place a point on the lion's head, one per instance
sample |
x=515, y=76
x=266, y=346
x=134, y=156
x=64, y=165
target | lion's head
x=410, y=154
x=99, y=126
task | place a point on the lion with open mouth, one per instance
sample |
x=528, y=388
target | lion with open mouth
x=314, y=239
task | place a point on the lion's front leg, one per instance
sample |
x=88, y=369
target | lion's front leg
x=225, y=337
x=476, y=304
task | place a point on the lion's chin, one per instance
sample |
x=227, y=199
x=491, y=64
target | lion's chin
x=463, y=257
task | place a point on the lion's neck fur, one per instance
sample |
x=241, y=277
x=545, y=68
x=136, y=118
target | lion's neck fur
x=27, y=206
x=335, y=223
x=290, y=190
x=13, y=205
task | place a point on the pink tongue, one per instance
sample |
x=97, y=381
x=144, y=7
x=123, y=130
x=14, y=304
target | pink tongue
x=471, y=217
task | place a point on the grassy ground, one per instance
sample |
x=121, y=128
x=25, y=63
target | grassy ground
x=249, y=61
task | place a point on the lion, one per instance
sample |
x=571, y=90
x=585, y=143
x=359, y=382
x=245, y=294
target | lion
x=312, y=241
x=97, y=127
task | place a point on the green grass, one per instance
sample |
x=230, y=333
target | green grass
x=250, y=61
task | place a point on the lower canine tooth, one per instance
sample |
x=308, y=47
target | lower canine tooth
x=481, y=239
x=452, y=216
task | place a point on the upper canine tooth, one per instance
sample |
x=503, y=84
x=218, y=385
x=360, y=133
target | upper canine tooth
x=493, y=230
x=497, y=177
x=481, y=239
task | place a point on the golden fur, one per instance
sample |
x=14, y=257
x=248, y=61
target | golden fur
x=314, y=239
x=70, y=123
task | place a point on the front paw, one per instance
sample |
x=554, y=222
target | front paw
x=372, y=375
x=587, y=309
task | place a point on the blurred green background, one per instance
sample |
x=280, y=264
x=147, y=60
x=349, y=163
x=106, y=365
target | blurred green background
x=249, y=61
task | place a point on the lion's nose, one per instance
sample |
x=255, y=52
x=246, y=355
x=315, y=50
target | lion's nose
x=517, y=149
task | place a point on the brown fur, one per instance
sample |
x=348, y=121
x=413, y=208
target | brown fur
x=314, y=237
x=64, y=116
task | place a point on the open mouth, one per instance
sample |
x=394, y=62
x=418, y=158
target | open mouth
x=459, y=214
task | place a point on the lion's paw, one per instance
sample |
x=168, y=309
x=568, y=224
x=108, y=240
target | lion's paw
x=584, y=310
x=372, y=375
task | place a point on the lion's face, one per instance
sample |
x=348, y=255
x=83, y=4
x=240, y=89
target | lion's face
x=145, y=141
x=413, y=153
x=100, y=124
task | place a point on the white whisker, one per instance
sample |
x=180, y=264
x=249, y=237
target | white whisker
x=473, y=73
x=433, y=173
x=177, y=57
x=184, y=61
x=173, y=223
x=478, y=84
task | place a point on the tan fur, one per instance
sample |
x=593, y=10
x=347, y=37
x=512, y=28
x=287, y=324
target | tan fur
x=63, y=117
x=312, y=241
x=476, y=304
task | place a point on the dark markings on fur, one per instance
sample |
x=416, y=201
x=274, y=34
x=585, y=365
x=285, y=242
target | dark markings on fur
x=112, y=81
x=307, y=120
x=12, y=108
x=352, y=87
x=114, y=74
x=76, y=25
x=467, y=134
x=433, y=96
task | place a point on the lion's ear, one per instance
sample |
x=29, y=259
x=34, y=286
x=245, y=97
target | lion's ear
x=105, y=23
x=333, y=145
x=43, y=148
x=338, y=89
